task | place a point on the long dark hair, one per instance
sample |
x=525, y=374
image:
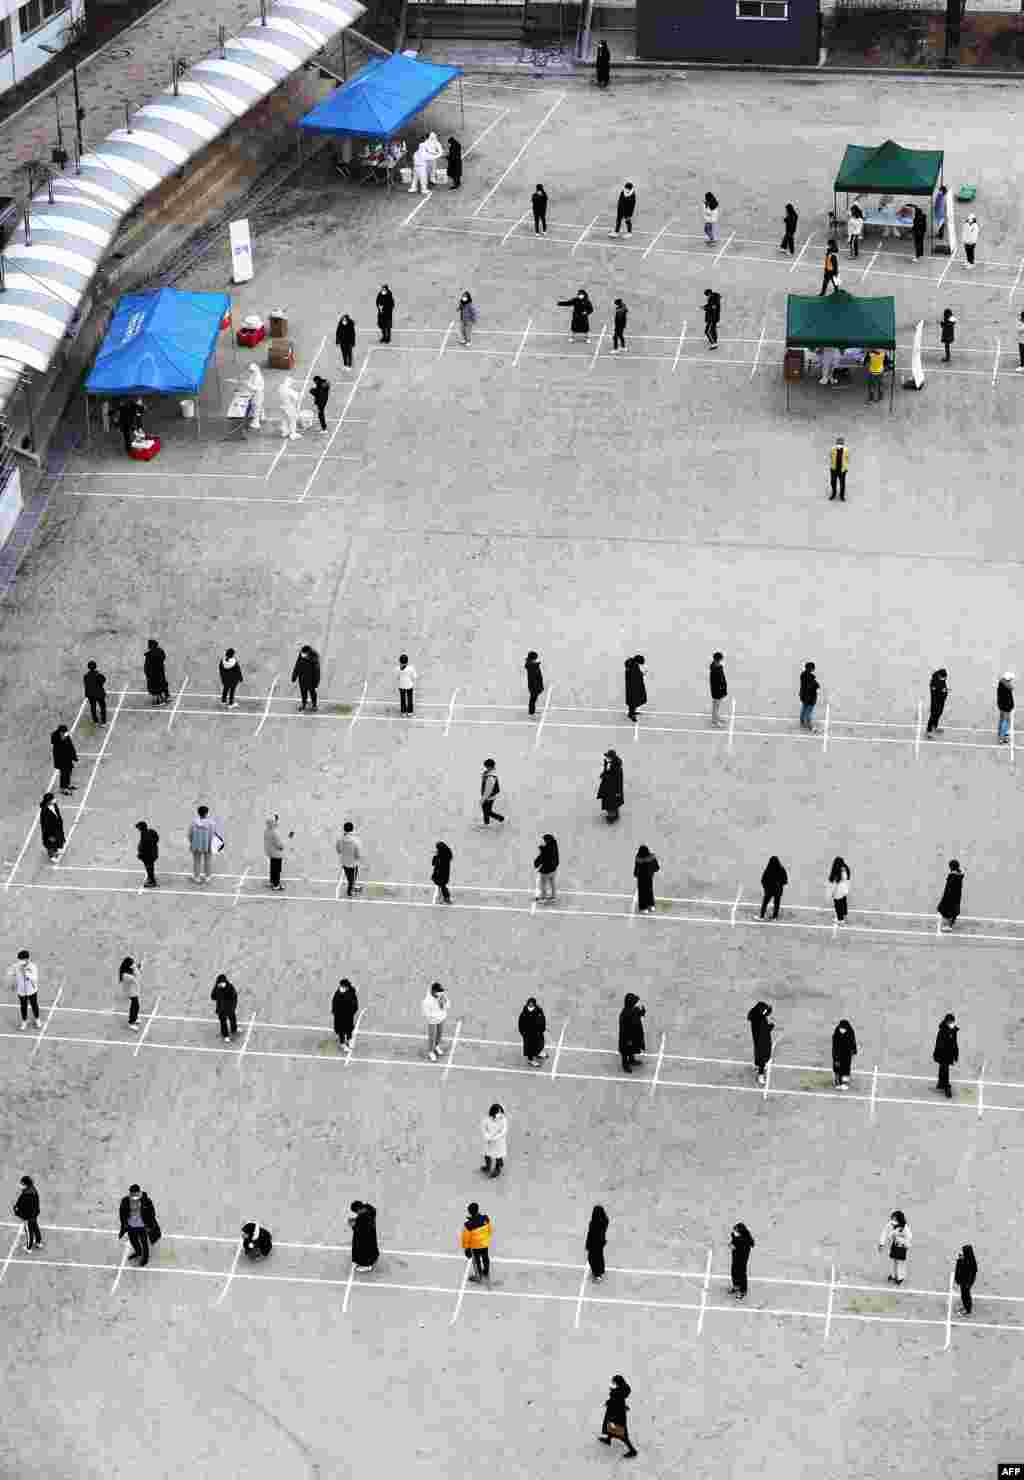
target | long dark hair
x=126, y=968
x=743, y=1235
x=599, y=1217
x=711, y=201
x=839, y=866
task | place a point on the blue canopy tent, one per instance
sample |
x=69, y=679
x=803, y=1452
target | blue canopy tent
x=159, y=343
x=381, y=99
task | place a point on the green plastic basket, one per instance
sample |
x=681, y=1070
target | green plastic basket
x=967, y=192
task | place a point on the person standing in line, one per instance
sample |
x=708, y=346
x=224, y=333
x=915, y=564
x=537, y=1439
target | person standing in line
x=495, y=1133
x=51, y=827
x=762, y=1029
x=257, y=1241
x=773, y=881
x=539, y=205
x=490, y=790
x=970, y=235
x=349, y=848
x=129, y=977
x=64, y=757
x=435, y=1010
x=129, y=419
x=636, y=684
x=476, y=1242
x=138, y=1220
x=95, y=685
x=718, y=686
x=365, y=1248
x=230, y=672
x=467, y=316
x=546, y=866
x=710, y=218
x=385, y=305
x=344, y=1011
x=582, y=308
x=597, y=1238
x=441, y=870
x=274, y=850
x=948, y=907
x=320, y=390
x=712, y=314
x=947, y=331
x=838, y=467
x=897, y=1235
x=624, y=208
x=24, y=980
x=306, y=674
x=619, y=328
x=616, y=1411
x=938, y=693
x=740, y=1242
x=809, y=687
x=946, y=1052
x=854, y=230
x=27, y=1209
x=345, y=339
x=844, y=1049
x=532, y=1027
x=1004, y=704
x=965, y=1272
x=454, y=162
x=919, y=231
x=154, y=666
x=405, y=674
x=225, y=1000
x=603, y=65
x=645, y=866
x=201, y=833
x=632, y=1039
x=830, y=268
x=148, y=852
x=610, y=786
x=534, y=680
x=839, y=887
x=789, y=223
x=1020, y=344
x=875, y=374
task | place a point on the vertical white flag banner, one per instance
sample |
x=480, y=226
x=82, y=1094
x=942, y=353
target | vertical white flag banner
x=951, y=224
x=241, y=252
x=916, y=357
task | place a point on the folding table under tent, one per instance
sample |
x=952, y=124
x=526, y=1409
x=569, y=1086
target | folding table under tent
x=889, y=169
x=159, y=343
x=840, y=321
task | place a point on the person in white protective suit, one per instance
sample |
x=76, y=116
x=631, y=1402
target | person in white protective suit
x=289, y=398
x=257, y=395
x=423, y=161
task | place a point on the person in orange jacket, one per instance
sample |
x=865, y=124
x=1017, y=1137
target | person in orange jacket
x=476, y=1242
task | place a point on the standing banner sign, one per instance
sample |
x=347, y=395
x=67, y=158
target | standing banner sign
x=241, y=252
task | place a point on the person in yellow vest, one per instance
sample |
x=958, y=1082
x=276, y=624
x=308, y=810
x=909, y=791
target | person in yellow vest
x=838, y=467
x=476, y=1242
x=876, y=368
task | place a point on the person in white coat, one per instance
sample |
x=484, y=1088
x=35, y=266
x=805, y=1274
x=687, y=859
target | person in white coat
x=435, y=1010
x=129, y=981
x=257, y=396
x=839, y=888
x=288, y=396
x=23, y=978
x=495, y=1133
x=970, y=238
x=897, y=1235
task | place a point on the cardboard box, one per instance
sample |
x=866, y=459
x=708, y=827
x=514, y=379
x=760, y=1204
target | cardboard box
x=281, y=355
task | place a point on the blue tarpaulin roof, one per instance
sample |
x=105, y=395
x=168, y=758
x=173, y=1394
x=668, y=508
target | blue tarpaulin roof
x=158, y=343
x=381, y=100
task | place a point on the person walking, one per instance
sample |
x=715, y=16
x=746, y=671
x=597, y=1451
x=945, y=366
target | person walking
x=306, y=673
x=938, y=693
x=597, y=1238
x=741, y=1242
x=854, y=230
x=838, y=467
x=349, y=848
x=710, y=218
x=919, y=231
x=534, y=680
x=51, y=827
x=274, y=851
x=636, y=684
x=610, y=786
x=441, y=870
x=844, y=1049
x=154, y=666
x=405, y=675
x=712, y=314
x=320, y=390
x=385, y=305
x=467, y=316
x=363, y=1223
x=23, y=977
x=454, y=162
x=490, y=790
x=539, y=206
x=948, y=907
x=257, y=1241
x=718, y=686
x=619, y=328
x=64, y=757
x=95, y=685
x=225, y=1000
x=1020, y=344
x=645, y=866
x=897, y=1235
x=546, y=866
x=344, y=1011
x=624, y=208
x=129, y=977
x=603, y=65
x=202, y=832
x=138, y=1220
x=773, y=881
x=970, y=235
x=230, y=672
x=476, y=1242
x=616, y=1416
x=762, y=1029
x=434, y=1008
x=965, y=1272
x=789, y=224
x=632, y=1039
x=345, y=339
x=1004, y=704
x=809, y=687
x=947, y=332
x=839, y=887
x=494, y=1130
x=148, y=852
x=830, y=268
x=532, y=1027
x=946, y=1052
x=582, y=308
x=26, y=1207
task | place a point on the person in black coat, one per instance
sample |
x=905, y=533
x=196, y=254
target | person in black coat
x=645, y=866
x=919, y=230
x=539, y=205
x=762, y=1027
x=603, y=64
x=320, y=390
x=345, y=339
x=964, y=1275
x=619, y=318
x=363, y=1223
x=534, y=679
x=441, y=870
x=844, y=1049
x=938, y=693
x=137, y=1217
x=741, y=1242
x=454, y=163
x=609, y=787
x=616, y=1409
x=154, y=666
x=712, y=315
x=636, y=685
x=344, y=1011
x=27, y=1209
x=532, y=1027
x=256, y=1241
x=230, y=672
x=946, y=1052
x=64, y=757
x=1004, y=705
x=789, y=228
x=773, y=881
x=51, y=826
x=225, y=1000
x=632, y=1041
x=949, y=905
x=95, y=685
x=582, y=308
x=597, y=1237
x=624, y=208
x=808, y=691
x=718, y=686
x=130, y=419
x=546, y=866
x=385, y=304
x=148, y=851
x=947, y=332
x=306, y=674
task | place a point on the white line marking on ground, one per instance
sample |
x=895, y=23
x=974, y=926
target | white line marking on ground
x=414, y=212
x=462, y=1292
x=95, y=771
x=358, y=710
x=444, y=341
x=451, y=1050
x=948, y=265
x=10, y=1254
x=302, y=394
x=1016, y=281
x=825, y=729
x=146, y=1028
x=558, y=1052
x=917, y=731
x=338, y=424
x=517, y=157
x=949, y=1313
x=679, y=346
x=767, y=1080
x=451, y=712
x=1012, y=739
x=704, y=1292
x=177, y=703
x=120, y=1269
x=721, y=252
x=579, y=1299
x=348, y=1289
x=735, y=905
x=981, y=1091
x=245, y=1041
x=241, y=881
x=230, y=1275
x=597, y=347
x=543, y=717
x=266, y=708
x=757, y=352
x=352, y=1041
x=874, y=1093
x=871, y=264
x=522, y=343
x=657, y=1067
x=481, y=137
x=799, y=257
x=514, y=227
x=655, y=240
x=584, y=234
x=831, y=1302
x=732, y=724
x=42, y=1034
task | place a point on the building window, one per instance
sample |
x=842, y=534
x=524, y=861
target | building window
x=5, y=35
x=764, y=10
x=37, y=12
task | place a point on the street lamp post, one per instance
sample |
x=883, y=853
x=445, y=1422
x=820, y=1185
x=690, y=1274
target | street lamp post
x=79, y=110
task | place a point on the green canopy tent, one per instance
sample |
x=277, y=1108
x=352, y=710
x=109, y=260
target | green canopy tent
x=841, y=321
x=888, y=169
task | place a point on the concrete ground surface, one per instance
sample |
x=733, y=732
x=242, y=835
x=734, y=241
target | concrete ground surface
x=468, y=504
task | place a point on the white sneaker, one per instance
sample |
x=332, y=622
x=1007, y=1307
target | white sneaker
x=133, y=1027
x=22, y=1027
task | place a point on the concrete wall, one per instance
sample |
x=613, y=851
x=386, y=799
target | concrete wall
x=709, y=31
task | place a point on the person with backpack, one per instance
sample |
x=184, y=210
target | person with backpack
x=257, y=1241
x=712, y=315
x=615, y=1424
x=830, y=270
x=27, y=1209
x=476, y=1243
x=897, y=1235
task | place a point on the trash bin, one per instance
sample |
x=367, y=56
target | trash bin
x=188, y=410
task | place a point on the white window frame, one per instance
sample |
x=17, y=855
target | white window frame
x=62, y=6
x=761, y=5
x=10, y=36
